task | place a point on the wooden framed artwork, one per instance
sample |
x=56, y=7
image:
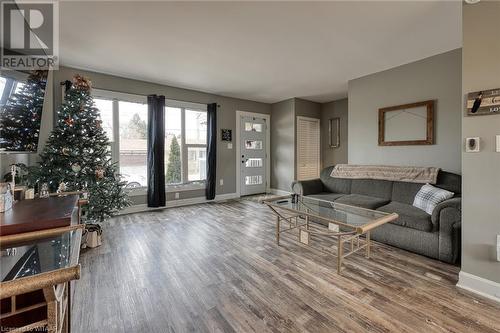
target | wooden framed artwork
x=226, y=135
x=406, y=125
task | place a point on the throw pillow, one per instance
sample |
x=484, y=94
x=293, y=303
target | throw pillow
x=428, y=197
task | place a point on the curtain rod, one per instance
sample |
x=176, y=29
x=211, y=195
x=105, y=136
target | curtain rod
x=65, y=83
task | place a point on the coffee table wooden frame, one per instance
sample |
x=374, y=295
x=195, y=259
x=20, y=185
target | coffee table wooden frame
x=299, y=220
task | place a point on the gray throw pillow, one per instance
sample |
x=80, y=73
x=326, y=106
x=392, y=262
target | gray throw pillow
x=428, y=197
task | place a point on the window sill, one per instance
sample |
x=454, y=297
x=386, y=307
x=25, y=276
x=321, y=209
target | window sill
x=140, y=191
x=185, y=187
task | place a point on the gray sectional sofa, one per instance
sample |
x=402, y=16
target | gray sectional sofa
x=436, y=236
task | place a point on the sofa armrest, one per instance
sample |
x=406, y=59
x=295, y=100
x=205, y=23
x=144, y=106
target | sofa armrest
x=455, y=203
x=447, y=217
x=307, y=187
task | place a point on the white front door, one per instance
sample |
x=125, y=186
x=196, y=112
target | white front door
x=253, y=155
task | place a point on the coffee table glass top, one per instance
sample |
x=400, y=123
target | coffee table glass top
x=327, y=210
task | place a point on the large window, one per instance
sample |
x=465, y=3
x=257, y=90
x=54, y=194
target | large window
x=185, y=143
x=125, y=120
x=133, y=130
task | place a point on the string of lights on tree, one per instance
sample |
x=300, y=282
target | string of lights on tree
x=77, y=155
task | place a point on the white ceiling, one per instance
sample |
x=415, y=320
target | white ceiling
x=263, y=51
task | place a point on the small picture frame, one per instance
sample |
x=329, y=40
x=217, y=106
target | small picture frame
x=473, y=145
x=226, y=134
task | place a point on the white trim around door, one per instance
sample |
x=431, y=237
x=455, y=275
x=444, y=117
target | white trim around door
x=267, y=117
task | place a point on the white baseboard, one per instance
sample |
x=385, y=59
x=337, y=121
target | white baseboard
x=279, y=192
x=479, y=285
x=177, y=203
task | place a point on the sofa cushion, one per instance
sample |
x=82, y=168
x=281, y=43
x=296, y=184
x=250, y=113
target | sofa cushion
x=364, y=201
x=372, y=187
x=430, y=196
x=335, y=185
x=409, y=216
x=405, y=192
x=328, y=196
x=450, y=182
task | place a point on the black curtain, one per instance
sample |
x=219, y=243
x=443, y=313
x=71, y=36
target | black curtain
x=156, y=151
x=211, y=150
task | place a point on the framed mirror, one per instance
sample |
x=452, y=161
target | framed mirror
x=405, y=125
x=334, y=132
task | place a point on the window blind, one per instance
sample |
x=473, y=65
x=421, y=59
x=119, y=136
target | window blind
x=308, y=148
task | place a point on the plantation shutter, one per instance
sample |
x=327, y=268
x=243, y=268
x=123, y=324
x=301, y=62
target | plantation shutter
x=308, y=148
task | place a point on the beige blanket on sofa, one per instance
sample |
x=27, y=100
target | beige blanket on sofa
x=409, y=174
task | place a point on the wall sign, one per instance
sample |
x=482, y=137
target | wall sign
x=484, y=102
x=226, y=135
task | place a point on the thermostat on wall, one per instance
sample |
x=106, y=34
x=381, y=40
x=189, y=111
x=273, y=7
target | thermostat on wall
x=472, y=145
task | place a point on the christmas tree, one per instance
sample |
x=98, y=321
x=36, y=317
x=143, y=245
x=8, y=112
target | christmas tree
x=77, y=155
x=173, y=175
x=20, y=117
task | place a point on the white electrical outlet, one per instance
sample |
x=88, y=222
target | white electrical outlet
x=221, y=182
x=498, y=247
x=177, y=195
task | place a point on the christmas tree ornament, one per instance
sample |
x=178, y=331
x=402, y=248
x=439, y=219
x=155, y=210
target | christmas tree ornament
x=61, y=188
x=69, y=121
x=99, y=173
x=76, y=167
x=65, y=151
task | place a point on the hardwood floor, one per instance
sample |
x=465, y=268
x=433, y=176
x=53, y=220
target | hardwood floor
x=216, y=267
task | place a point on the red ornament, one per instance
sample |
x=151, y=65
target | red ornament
x=69, y=121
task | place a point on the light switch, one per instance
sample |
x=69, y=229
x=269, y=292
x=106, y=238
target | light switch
x=498, y=143
x=229, y=145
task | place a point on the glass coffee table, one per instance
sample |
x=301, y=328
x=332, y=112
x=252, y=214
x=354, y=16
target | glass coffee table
x=342, y=229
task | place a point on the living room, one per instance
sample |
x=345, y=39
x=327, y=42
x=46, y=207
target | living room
x=251, y=166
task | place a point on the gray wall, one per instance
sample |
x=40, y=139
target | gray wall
x=481, y=171
x=438, y=78
x=283, y=144
x=335, y=109
x=284, y=139
x=305, y=108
